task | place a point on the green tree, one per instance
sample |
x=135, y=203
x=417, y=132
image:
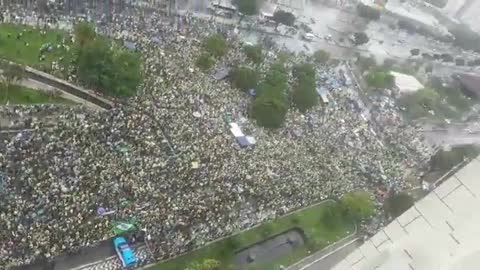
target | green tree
x=398, y=203
x=126, y=73
x=11, y=74
x=268, y=109
x=447, y=57
x=244, y=78
x=84, y=34
x=368, y=12
x=284, y=17
x=216, y=45
x=304, y=94
x=357, y=205
x=321, y=56
x=360, y=38
x=415, y=52
x=247, y=7
x=254, y=53
x=95, y=64
x=205, y=62
x=283, y=57
x=380, y=79
x=208, y=264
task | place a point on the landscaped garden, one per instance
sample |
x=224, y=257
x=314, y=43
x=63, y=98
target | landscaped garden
x=322, y=225
x=22, y=44
x=89, y=59
x=22, y=95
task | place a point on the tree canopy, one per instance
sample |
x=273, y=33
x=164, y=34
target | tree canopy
x=304, y=94
x=357, y=205
x=398, y=203
x=380, y=79
x=216, y=45
x=284, y=17
x=84, y=33
x=244, y=78
x=447, y=57
x=112, y=71
x=247, y=7
x=368, y=12
x=270, y=107
x=205, y=61
x=103, y=66
x=254, y=53
x=321, y=56
x=415, y=52
x=360, y=38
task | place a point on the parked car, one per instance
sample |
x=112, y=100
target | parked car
x=124, y=251
x=308, y=36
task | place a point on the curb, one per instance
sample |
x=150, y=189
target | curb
x=329, y=253
x=351, y=236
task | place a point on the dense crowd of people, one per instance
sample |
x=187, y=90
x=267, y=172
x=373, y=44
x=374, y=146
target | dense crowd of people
x=167, y=158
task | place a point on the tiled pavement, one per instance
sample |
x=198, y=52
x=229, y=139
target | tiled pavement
x=441, y=231
x=113, y=263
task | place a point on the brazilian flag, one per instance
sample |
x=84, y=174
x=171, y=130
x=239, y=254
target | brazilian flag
x=124, y=227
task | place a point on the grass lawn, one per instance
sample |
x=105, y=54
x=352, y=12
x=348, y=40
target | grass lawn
x=17, y=51
x=318, y=237
x=22, y=95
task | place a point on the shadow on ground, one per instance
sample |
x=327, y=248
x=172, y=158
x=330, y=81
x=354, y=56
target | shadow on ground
x=270, y=249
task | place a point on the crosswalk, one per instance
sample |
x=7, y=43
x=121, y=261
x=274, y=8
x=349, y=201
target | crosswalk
x=113, y=263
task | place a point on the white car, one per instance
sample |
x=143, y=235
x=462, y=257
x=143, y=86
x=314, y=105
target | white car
x=308, y=36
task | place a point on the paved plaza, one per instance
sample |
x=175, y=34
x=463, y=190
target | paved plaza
x=441, y=231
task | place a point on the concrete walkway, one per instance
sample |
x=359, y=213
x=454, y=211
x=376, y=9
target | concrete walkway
x=36, y=85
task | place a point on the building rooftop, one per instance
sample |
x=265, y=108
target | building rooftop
x=441, y=231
